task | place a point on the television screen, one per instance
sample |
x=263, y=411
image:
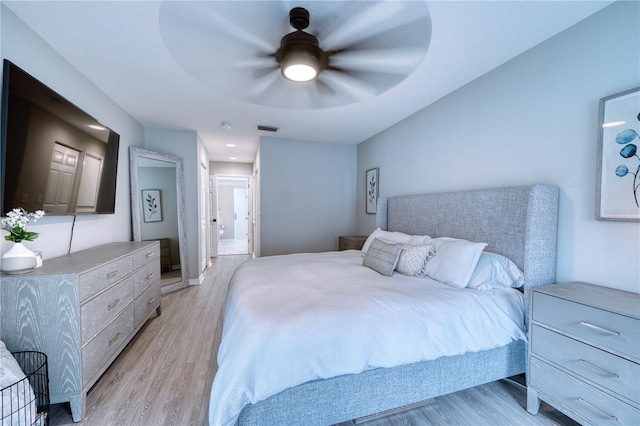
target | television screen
x=55, y=157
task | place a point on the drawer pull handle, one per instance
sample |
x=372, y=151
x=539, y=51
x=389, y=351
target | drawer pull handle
x=600, y=369
x=113, y=304
x=597, y=410
x=114, y=339
x=597, y=327
x=149, y=254
x=149, y=276
x=112, y=274
x=151, y=300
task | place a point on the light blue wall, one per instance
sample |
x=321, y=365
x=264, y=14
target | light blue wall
x=58, y=234
x=532, y=120
x=307, y=195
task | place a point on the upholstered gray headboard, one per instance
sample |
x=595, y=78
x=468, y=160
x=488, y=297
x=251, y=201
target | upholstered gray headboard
x=518, y=222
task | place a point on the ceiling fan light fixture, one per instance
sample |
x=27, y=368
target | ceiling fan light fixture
x=300, y=57
x=300, y=66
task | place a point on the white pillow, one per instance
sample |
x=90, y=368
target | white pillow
x=495, y=271
x=413, y=258
x=396, y=237
x=454, y=261
x=420, y=240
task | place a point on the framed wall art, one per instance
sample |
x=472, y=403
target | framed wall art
x=618, y=174
x=151, y=205
x=372, y=184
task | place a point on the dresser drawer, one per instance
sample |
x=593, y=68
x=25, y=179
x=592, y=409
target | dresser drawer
x=101, y=310
x=588, y=402
x=100, y=278
x=104, y=345
x=598, y=327
x=146, y=303
x=617, y=374
x=145, y=255
x=146, y=276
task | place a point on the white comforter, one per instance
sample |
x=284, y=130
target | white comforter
x=295, y=318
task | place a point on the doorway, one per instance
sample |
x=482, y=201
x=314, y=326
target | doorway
x=233, y=215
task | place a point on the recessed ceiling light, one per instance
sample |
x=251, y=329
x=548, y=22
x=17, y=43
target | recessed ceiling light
x=226, y=125
x=94, y=126
x=233, y=158
x=231, y=145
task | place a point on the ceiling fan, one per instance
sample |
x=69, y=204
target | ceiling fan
x=344, y=52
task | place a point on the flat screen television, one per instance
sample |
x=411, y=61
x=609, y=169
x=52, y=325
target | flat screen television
x=54, y=156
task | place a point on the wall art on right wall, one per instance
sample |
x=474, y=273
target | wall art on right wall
x=618, y=175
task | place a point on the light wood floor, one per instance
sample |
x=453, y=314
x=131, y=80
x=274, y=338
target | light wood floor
x=164, y=375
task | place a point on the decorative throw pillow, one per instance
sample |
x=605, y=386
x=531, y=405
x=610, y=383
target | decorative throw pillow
x=413, y=258
x=382, y=257
x=455, y=260
x=397, y=237
x=495, y=271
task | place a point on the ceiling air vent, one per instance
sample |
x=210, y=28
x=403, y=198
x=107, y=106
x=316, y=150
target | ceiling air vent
x=267, y=128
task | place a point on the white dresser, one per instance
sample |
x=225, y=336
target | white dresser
x=81, y=310
x=584, y=353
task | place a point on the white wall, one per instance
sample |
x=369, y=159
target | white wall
x=230, y=169
x=58, y=234
x=307, y=195
x=532, y=120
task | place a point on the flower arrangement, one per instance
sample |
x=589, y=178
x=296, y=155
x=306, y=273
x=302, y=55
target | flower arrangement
x=16, y=224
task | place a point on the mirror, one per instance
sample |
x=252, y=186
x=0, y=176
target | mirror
x=158, y=211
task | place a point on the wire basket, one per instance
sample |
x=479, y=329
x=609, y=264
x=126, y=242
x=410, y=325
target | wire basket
x=26, y=402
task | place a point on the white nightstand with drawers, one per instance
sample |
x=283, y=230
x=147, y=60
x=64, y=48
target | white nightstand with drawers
x=584, y=353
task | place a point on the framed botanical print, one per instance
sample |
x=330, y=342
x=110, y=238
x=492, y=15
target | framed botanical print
x=372, y=185
x=151, y=205
x=618, y=181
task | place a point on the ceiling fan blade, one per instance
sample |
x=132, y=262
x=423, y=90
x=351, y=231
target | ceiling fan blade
x=263, y=84
x=363, y=20
x=256, y=63
x=202, y=23
x=394, y=61
x=347, y=85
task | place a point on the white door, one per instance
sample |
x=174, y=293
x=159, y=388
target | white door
x=213, y=216
x=62, y=175
x=89, y=182
x=241, y=214
x=204, y=218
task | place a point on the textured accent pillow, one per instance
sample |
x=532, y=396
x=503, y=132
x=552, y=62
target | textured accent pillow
x=382, y=257
x=397, y=237
x=455, y=260
x=495, y=271
x=413, y=258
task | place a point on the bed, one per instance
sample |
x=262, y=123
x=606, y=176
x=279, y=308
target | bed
x=517, y=222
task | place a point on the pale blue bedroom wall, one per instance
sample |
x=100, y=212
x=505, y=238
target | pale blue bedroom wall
x=307, y=193
x=58, y=234
x=532, y=120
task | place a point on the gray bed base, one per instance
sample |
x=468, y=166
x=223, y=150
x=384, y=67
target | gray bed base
x=518, y=222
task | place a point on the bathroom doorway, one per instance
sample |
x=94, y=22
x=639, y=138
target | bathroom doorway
x=233, y=203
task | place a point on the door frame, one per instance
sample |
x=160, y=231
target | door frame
x=250, y=207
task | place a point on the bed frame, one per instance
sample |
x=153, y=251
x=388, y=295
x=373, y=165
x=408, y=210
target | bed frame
x=518, y=222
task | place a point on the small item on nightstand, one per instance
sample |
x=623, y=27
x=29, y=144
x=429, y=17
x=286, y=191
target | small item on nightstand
x=351, y=242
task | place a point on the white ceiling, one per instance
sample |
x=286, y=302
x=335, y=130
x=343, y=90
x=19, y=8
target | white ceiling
x=192, y=65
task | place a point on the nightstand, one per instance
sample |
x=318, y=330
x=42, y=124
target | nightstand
x=351, y=242
x=584, y=353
